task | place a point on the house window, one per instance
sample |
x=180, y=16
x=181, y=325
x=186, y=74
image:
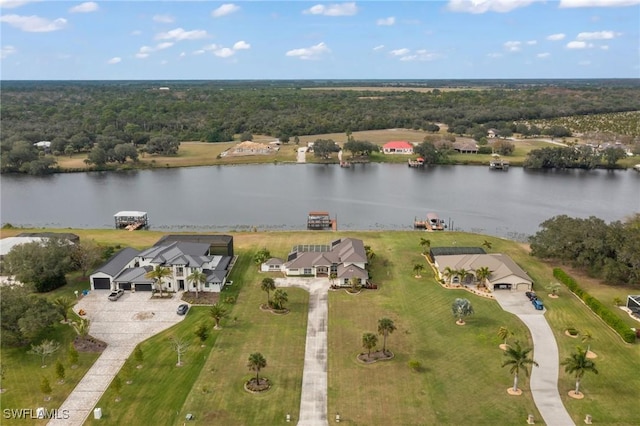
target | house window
x=206, y=285
x=307, y=271
x=179, y=271
x=169, y=285
x=334, y=268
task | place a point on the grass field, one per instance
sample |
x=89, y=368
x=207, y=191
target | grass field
x=461, y=378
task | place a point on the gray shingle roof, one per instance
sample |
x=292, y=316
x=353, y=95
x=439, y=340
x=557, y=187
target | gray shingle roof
x=118, y=261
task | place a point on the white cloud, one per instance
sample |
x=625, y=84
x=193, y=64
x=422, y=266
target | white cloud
x=386, y=21
x=532, y=42
x=598, y=35
x=495, y=55
x=163, y=19
x=241, y=45
x=543, y=55
x=310, y=53
x=419, y=55
x=400, y=52
x=578, y=45
x=12, y=4
x=114, y=60
x=482, y=6
x=145, y=51
x=180, y=34
x=86, y=7
x=225, y=52
x=513, y=46
x=225, y=9
x=6, y=51
x=380, y=46
x=34, y=24
x=597, y=3
x=344, y=9
x=199, y=52
x=182, y=54
x=556, y=37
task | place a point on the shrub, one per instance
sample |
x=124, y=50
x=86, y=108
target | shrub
x=415, y=365
x=627, y=334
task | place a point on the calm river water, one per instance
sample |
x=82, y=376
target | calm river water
x=278, y=197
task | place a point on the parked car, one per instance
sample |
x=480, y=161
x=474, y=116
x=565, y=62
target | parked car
x=531, y=295
x=115, y=295
x=537, y=303
x=182, y=309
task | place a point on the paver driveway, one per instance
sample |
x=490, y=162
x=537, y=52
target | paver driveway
x=122, y=325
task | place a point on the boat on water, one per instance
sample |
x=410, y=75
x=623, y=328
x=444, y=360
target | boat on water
x=418, y=162
x=432, y=223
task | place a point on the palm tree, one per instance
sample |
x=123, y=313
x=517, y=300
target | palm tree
x=503, y=334
x=355, y=284
x=417, y=268
x=487, y=244
x=461, y=308
x=158, y=274
x=370, y=253
x=425, y=244
x=448, y=273
x=332, y=277
x=279, y=298
x=268, y=284
x=553, y=288
x=577, y=364
x=587, y=337
x=217, y=312
x=518, y=359
x=482, y=274
x=197, y=277
x=64, y=304
x=385, y=327
x=462, y=274
x=256, y=363
x=369, y=341
x=81, y=327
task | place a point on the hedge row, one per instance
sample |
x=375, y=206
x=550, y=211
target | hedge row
x=627, y=334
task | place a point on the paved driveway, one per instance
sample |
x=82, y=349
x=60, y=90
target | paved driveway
x=122, y=325
x=544, y=378
x=313, y=400
x=302, y=155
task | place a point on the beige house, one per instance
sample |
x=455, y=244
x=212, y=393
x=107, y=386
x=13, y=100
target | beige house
x=505, y=273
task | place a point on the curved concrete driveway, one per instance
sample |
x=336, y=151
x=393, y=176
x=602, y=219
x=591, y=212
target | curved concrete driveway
x=544, y=379
x=313, y=400
x=122, y=325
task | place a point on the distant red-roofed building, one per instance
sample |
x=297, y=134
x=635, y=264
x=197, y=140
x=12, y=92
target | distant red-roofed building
x=398, y=147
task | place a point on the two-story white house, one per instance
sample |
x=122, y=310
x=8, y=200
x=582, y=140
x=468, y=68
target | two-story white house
x=128, y=269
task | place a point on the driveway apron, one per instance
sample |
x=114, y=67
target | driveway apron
x=313, y=400
x=544, y=378
x=122, y=325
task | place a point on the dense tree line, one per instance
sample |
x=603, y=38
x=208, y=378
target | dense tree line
x=609, y=251
x=573, y=157
x=78, y=116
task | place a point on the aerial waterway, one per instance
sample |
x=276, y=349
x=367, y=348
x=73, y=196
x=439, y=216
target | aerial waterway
x=279, y=197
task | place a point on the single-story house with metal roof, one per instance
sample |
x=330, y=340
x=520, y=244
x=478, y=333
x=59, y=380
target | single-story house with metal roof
x=505, y=273
x=398, y=147
x=128, y=268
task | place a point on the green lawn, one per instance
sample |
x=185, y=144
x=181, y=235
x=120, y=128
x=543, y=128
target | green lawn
x=23, y=374
x=461, y=379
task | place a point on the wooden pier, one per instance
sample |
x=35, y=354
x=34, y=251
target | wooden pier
x=499, y=164
x=417, y=163
x=321, y=220
x=432, y=223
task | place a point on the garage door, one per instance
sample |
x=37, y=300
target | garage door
x=125, y=286
x=101, y=284
x=144, y=287
x=502, y=287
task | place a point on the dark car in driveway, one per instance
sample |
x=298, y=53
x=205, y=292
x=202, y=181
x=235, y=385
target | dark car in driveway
x=182, y=309
x=531, y=295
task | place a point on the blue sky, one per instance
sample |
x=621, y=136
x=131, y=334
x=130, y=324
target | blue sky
x=114, y=40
